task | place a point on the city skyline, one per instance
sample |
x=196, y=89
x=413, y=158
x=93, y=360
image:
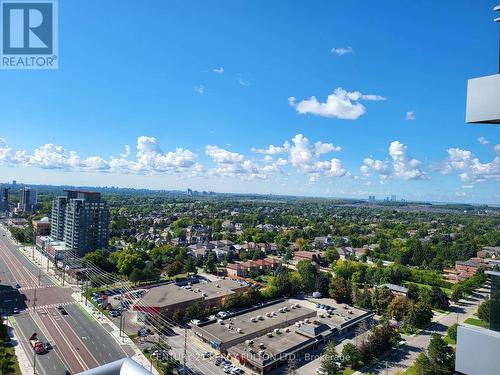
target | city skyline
x=260, y=104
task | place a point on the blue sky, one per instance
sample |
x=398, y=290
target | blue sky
x=358, y=98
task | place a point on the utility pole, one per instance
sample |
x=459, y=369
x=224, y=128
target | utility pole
x=63, y=270
x=86, y=283
x=34, y=362
x=34, y=299
x=185, y=351
x=121, y=312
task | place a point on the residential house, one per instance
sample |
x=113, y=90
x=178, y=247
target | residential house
x=198, y=233
x=323, y=242
x=308, y=255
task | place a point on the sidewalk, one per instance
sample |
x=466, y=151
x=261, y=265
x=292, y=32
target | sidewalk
x=25, y=363
x=41, y=261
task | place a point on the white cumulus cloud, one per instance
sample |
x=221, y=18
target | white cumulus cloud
x=483, y=140
x=340, y=104
x=469, y=168
x=400, y=166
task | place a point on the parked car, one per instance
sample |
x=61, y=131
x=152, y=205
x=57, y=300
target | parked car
x=47, y=346
x=18, y=286
x=15, y=310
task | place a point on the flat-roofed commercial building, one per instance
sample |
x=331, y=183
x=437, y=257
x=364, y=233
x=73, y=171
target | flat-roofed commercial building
x=169, y=298
x=265, y=338
x=224, y=333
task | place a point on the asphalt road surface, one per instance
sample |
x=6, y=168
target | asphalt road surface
x=79, y=342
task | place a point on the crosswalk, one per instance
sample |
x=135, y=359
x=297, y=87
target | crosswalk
x=37, y=287
x=31, y=308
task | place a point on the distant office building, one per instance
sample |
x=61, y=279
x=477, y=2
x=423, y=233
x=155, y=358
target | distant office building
x=4, y=199
x=27, y=200
x=81, y=220
x=393, y=198
x=371, y=198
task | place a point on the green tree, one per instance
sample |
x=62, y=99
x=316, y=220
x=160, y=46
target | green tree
x=483, y=312
x=194, y=310
x=439, y=299
x=331, y=255
x=457, y=293
x=174, y=268
x=100, y=258
x=452, y=332
x=128, y=259
x=413, y=292
x=441, y=356
x=351, y=356
x=211, y=263
x=422, y=315
x=340, y=290
x=136, y=275
x=328, y=362
x=423, y=365
x=308, y=273
x=399, y=307
x=381, y=298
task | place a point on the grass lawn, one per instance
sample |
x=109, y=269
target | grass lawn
x=476, y=322
x=410, y=371
x=449, y=340
x=446, y=290
x=7, y=353
x=348, y=371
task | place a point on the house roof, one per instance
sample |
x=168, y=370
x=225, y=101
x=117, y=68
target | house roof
x=467, y=263
x=394, y=287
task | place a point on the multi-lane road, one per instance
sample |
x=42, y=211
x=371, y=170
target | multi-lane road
x=78, y=341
